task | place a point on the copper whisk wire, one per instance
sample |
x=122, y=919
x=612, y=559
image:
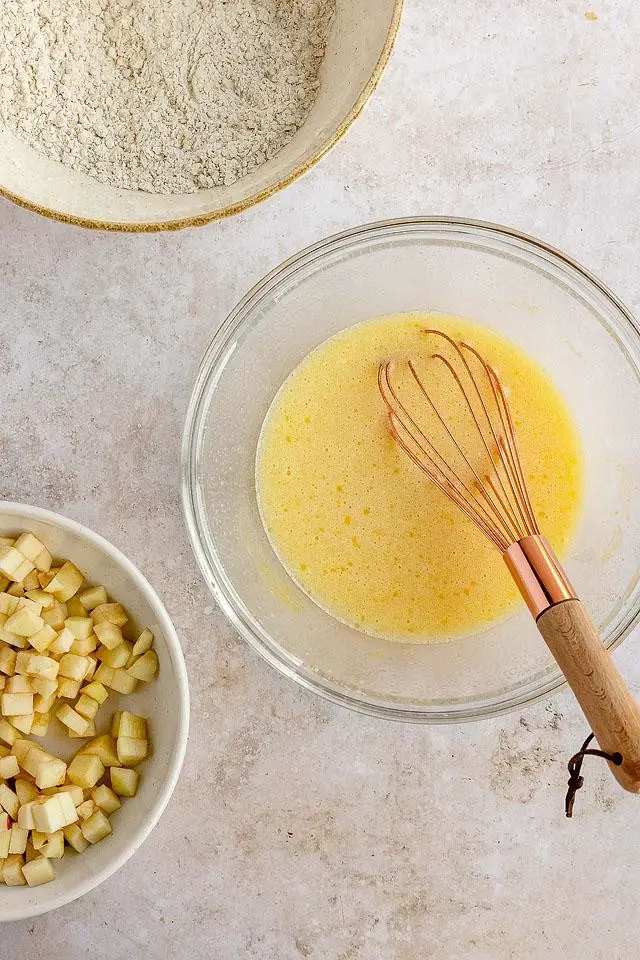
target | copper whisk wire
x=480, y=471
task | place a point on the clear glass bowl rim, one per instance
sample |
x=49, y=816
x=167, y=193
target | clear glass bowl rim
x=628, y=330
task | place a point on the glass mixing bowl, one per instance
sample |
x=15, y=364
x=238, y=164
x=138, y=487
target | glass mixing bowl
x=556, y=311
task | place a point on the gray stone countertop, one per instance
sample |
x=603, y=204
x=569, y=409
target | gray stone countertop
x=376, y=840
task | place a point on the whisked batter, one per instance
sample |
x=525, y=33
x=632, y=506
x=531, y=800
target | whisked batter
x=353, y=520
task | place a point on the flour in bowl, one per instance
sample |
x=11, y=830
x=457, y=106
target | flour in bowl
x=167, y=96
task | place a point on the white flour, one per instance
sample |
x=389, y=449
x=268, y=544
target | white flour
x=168, y=96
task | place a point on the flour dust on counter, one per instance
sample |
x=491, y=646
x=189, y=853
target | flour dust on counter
x=169, y=97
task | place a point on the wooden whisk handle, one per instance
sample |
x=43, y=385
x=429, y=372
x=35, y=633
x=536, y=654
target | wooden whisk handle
x=607, y=703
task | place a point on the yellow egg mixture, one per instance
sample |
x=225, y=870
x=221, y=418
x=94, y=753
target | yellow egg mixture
x=355, y=523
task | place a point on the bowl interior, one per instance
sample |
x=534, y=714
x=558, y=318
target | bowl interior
x=359, y=44
x=164, y=702
x=568, y=323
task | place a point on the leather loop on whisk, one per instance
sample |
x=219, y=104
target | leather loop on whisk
x=576, y=781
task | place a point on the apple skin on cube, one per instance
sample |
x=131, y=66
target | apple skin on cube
x=124, y=781
x=85, y=770
x=96, y=828
x=38, y=871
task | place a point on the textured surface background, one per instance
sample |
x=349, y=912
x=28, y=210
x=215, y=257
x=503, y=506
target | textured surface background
x=299, y=830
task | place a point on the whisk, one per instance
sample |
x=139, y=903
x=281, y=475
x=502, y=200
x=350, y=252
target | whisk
x=450, y=414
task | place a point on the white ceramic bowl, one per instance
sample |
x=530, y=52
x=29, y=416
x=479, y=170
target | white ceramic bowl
x=359, y=47
x=165, y=702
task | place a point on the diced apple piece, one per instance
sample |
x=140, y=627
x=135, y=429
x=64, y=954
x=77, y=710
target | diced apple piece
x=104, y=675
x=105, y=798
x=38, y=871
x=29, y=546
x=63, y=642
x=74, y=837
x=18, y=684
x=90, y=731
x=131, y=725
x=46, y=576
x=76, y=793
x=25, y=790
x=43, y=639
x=85, y=770
x=83, y=648
x=9, y=767
x=54, y=847
x=67, y=715
x=11, y=638
x=31, y=758
x=67, y=807
x=91, y=669
x=50, y=773
x=115, y=723
x=86, y=809
x=111, y=613
x=5, y=840
x=96, y=691
x=75, y=608
x=43, y=686
x=12, y=870
x=9, y=801
x=116, y=658
x=92, y=597
x=122, y=681
x=25, y=814
x=18, y=841
x=31, y=581
x=47, y=814
x=87, y=707
x=42, y=704
x=131, y=751
x=103, y=747
x=145, y=667
x=22, y=572
x=68, y=689
x=38, y=665
x=40, y=725
x=66, y=582
x=46, y=601
x=24, y=622
x=8, y=604
x=109, y=634
x=23, y=722
x=8, y=661
x=143, y=643
x=124, y=781
x=10, y=561
x=15, y=590
x=56, y=615
x=81, y=627
x=73, y=667
x=96, y=828
x=16, y=704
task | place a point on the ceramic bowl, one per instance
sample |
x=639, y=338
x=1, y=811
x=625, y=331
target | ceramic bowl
x=165, y=702
x=359, y=47
x=552, y=308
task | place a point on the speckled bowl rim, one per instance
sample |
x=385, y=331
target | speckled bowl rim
x=204, y=218
x=176, y=658
x=473, y=709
